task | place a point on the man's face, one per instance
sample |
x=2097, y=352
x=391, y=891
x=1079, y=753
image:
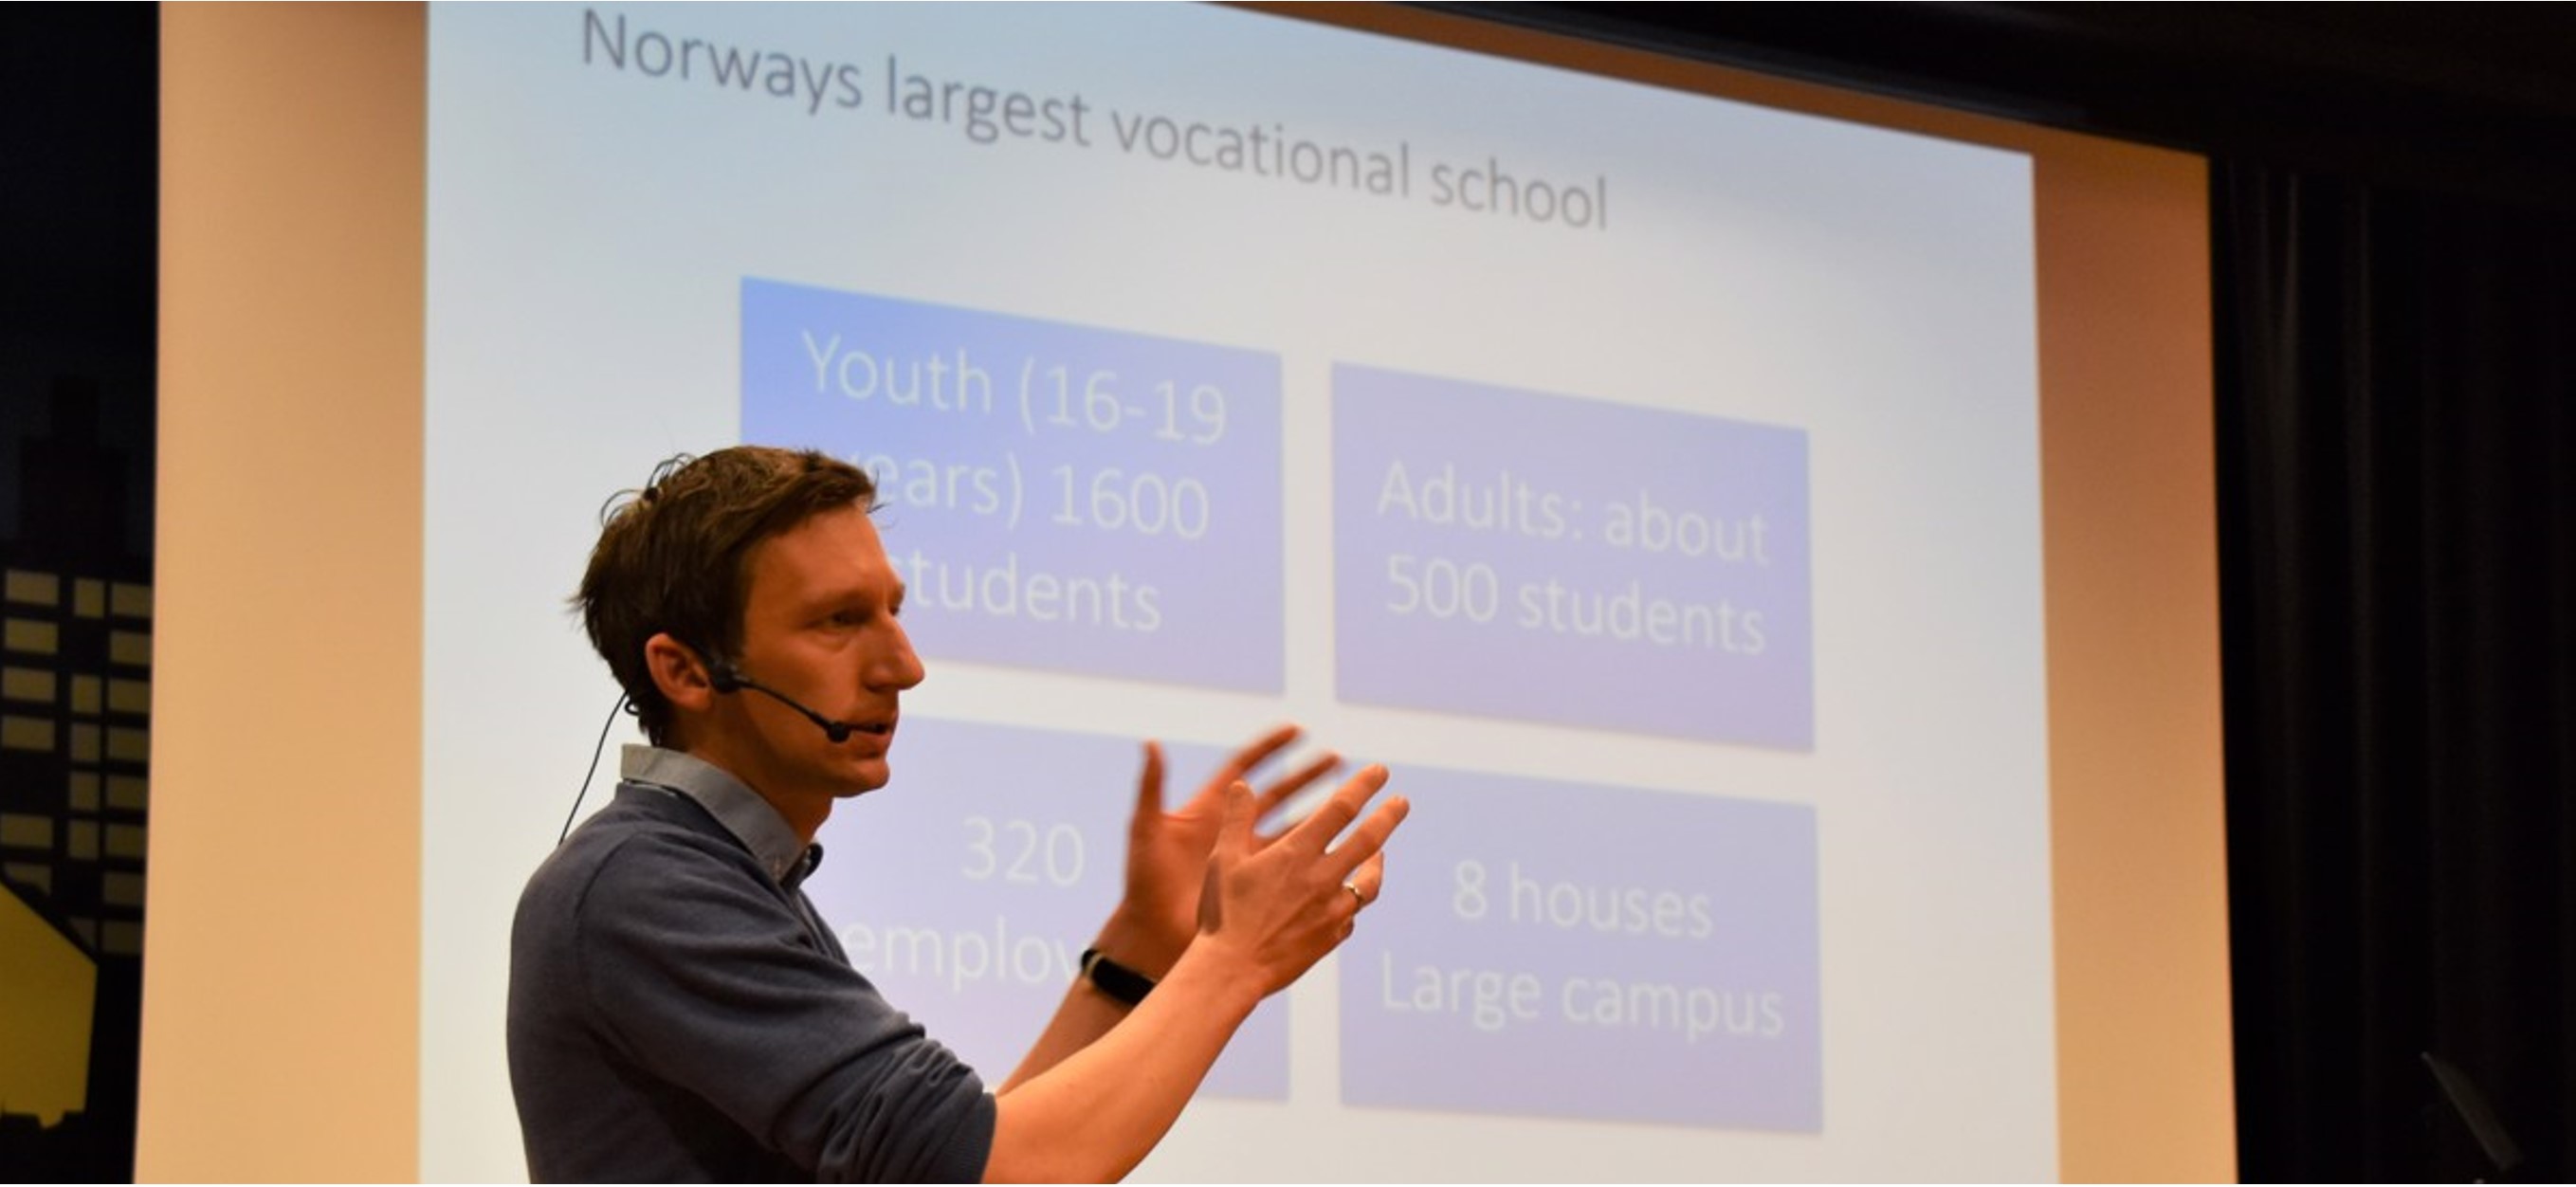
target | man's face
x=819, y=624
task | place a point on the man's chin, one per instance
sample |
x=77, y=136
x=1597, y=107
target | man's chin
x=870, y=775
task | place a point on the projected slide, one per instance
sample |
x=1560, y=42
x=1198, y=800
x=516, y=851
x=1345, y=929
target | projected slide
x=1664, y=970
x=1655, y=564
x=1103, y=502
x=1649, y=481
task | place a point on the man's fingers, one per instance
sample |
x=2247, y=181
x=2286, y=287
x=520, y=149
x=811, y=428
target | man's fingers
x=1296, y=781
x=1367, y=882
x=1239, y=765
x=1235, y=834
x=1149, y=783
x=1338, y=811
x=1365, y=844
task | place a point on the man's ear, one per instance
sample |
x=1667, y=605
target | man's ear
x=680, y=673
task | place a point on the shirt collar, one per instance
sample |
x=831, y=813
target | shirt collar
x=734, y=805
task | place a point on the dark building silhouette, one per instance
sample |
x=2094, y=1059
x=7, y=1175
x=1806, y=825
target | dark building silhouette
x=78, y=210
x=75, y=746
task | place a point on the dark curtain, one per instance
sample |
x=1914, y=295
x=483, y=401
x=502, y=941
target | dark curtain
x=2397, y=455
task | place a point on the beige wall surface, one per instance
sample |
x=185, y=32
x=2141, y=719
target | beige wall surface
x=282, y=957
x=2145, y=1041
x=282, y=968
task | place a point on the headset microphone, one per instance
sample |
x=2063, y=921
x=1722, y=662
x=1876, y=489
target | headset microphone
x=725, y=678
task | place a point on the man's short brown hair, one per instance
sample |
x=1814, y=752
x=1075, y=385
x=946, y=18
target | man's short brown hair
x=672, y=556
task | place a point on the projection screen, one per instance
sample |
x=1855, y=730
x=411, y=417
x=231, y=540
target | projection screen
x=1672, y=489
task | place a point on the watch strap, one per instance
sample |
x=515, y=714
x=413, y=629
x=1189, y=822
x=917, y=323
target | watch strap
x=1115, y=979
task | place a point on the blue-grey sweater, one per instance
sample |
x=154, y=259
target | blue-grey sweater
x=679, y=1013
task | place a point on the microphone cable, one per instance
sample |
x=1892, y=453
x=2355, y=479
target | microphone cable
x=595, y=751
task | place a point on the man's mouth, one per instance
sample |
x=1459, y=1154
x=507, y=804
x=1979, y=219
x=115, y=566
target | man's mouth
x=883, y=727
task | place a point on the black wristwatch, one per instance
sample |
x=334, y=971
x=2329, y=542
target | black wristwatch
x=1115, y=979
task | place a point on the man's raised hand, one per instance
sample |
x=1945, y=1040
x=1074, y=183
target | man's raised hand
x=1167, y=851
x=1273, y=907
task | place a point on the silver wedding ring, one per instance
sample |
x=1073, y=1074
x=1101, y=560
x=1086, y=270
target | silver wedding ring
x=1356, y=896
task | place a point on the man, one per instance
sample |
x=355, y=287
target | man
x=678, y=1011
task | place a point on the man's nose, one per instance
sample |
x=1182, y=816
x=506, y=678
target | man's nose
x=898, y=668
